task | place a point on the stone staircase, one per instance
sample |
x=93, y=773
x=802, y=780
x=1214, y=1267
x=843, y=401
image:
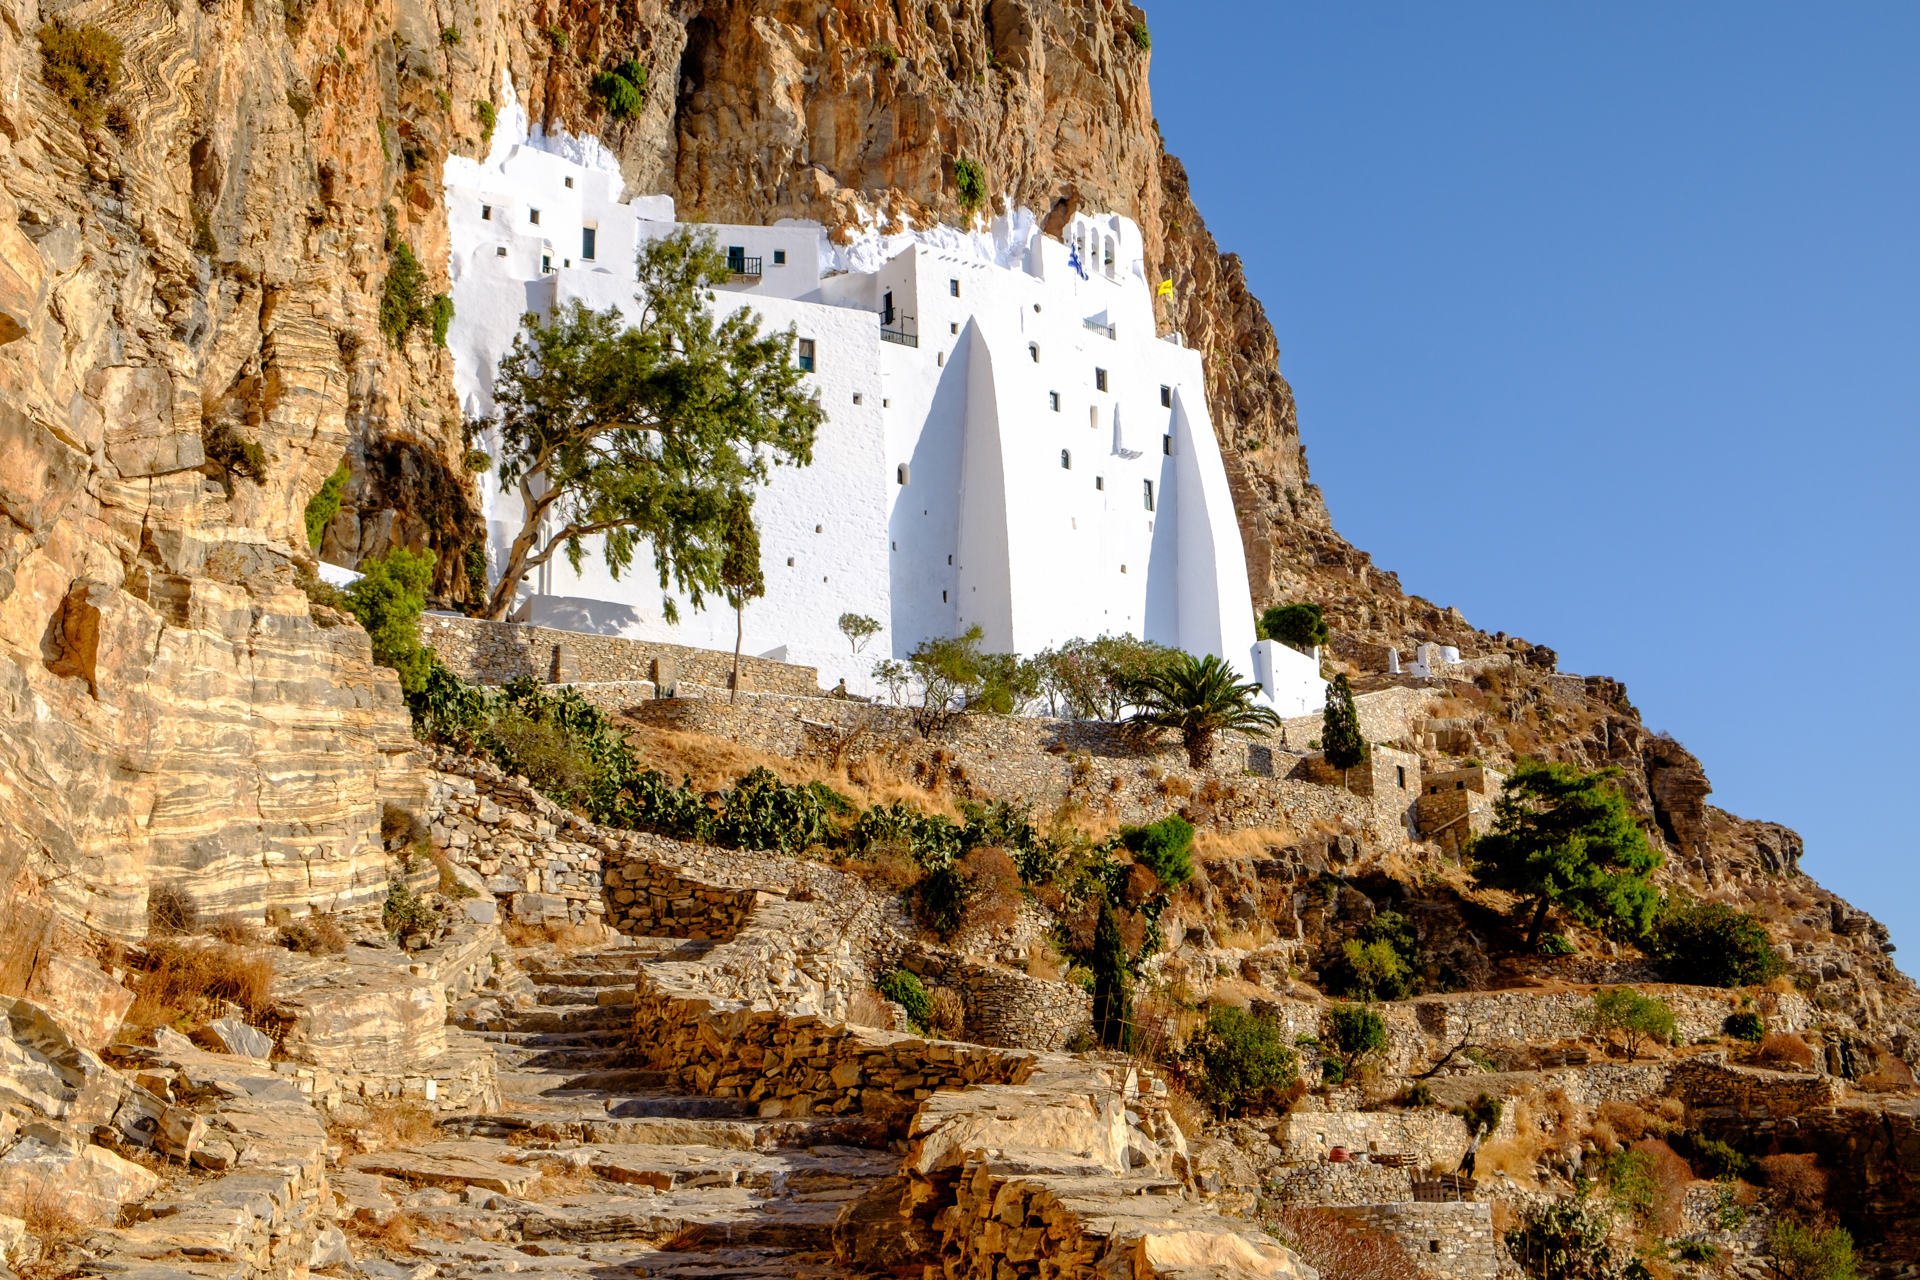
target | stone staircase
x=591, y=1168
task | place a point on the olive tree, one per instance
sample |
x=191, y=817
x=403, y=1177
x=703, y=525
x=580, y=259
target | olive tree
x=648, y=433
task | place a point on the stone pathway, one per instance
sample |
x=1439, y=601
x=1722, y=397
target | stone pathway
x=591, y=1169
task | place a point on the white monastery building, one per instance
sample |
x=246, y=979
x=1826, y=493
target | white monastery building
x=1007, y=443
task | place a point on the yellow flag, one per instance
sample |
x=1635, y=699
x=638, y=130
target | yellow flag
x=1166, y=289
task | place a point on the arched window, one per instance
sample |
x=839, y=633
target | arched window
x=904, y=473
x=1066, y=459
x=1107, y=258
x=1033, y=349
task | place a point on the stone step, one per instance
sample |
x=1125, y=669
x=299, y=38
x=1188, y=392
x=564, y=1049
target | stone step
x=559, y=1060
x=569, y=1018
x=568, y=996
x=623, y=1080
x=690, y=1219
x=606, y=1037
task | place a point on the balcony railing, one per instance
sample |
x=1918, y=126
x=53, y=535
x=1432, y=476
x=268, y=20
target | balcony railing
x=898, y=329
x=1106, y=330
x=738, y=264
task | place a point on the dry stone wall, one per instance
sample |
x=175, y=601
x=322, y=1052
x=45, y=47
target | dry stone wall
x=1454, y=1239
x=496, y=652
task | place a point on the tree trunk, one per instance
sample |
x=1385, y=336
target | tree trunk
x=1199, y=747
x=515, y=569
x=1539, y=923
x=739, y=634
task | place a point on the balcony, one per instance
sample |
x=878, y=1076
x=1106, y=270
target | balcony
x=898, y=329
x=1105, y=330
x=741, y=267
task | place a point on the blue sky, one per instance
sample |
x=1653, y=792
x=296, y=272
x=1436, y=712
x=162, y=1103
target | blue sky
x=1604, y=323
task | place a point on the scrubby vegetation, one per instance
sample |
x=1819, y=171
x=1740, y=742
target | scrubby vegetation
x=81, y=64
x=1199, y=698
x=233, y=453
x=907, y=991
x=1714, y=945
x=1636, y=1019
x=1299, y=626
x=622, y=89
x=325, y=504
x=388, y=599
x=1239, y=1061
x=969, y=183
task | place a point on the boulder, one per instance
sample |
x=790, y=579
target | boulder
x=47, y=1169
x=230, y=1035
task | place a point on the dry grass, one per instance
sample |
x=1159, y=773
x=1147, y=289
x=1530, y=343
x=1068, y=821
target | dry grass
x=880, y=777
x=949, y=1017
x=185, y=985
x=1534, y=1136
x=319, y=934
x=1889, y=1075
x=378, y=1125
x=566, y=938
x=1784, y=1052
x=867, y=1009
x=1044, y=963
x=993, y=889
x=1671, y=1175
x=396, y=1234
x=51, y=1230
x=1797, y=1181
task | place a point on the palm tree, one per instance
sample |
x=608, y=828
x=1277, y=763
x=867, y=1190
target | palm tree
x=1199, y=697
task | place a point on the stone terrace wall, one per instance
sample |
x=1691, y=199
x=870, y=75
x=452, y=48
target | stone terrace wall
x=1353, y=1182
x=1456, y=1239
x=1004, y=1006
x=496, y=652
x=1098, y=766
x=646, y=898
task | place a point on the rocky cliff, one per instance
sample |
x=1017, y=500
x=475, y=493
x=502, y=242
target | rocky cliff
x=193, y=257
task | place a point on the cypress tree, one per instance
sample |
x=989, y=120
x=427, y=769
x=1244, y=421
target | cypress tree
x=1112, y=1001
x=1340, y=727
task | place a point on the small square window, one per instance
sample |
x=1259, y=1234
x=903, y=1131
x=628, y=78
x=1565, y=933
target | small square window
x=1100, y=379
x=569, y=184
x=1053, y=398
x=486, y=213
x=953, y=288
x=533, y=216
x=806, y=354
x=500, y=251
x=1166, y=397
x=779, y=257
x=858, y=398
x=954, y=328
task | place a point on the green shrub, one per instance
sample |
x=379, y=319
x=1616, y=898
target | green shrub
x=1379, y=964
x=940, y=899
x=970, y=181
x=557, y=38
x=1629, y=1177
x=1342, y=742
x=1565, y=1240
x=1715, y=945
x=762, y=812
x=540, y=751
x=1298, y=626
x=1802, y=1252
x=388, y=600
x=1696, y=1251
x=235, y=453
x=1239, y=1061
x=440, y=316
x=1354, y=1032
x=1482, y=1115
x=1164, y=848
x=928, y=839
x=905, y=990
x=404, y=305
x=1637, y=1019
x=488, y=117
x=325, y=505
x=883, y=52
x=622, y=90
x=450, y=36
x=1555, y=944
x=1745, y=1025
x=1142, y=37
x=406, y=912
x=82, y=65
x=1712, y=1158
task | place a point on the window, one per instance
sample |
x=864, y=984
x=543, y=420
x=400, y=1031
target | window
x=533, y=216
x=1146, y=492
x=546, y=263
x=500, y=251
x=1166, y=445
x=943, y=597
x=779, y=257
x=1033, y=349
x=1066, y=459
x=1053, y=397
x=1400, y=775
x=886, y=309
x=806, y=354
x=954, y=328
x=486, y=213
x=789, y=562
x=1166, y=397
x=1100, y=483
x=953, y=288
x=858, y=398
x=1100, y=379
x=902, y=473
x=569, y=184
x=589, y=242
